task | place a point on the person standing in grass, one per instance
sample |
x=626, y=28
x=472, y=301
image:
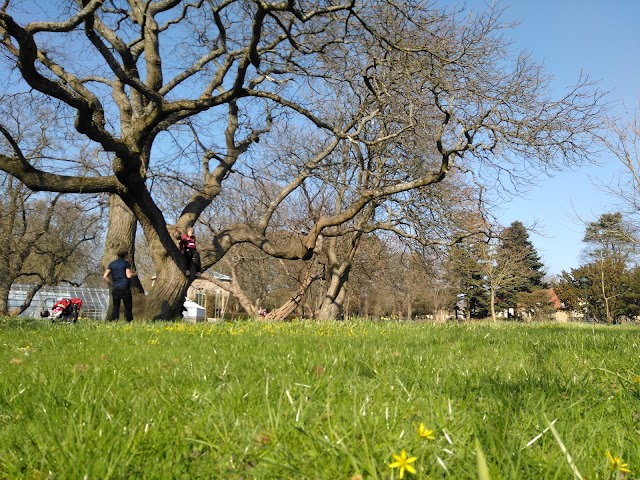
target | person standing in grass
x=118, y=274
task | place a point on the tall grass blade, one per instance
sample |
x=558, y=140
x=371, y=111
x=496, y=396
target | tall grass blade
x=481, y=462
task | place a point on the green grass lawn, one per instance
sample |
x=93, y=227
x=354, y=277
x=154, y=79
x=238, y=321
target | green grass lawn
x=307, y=400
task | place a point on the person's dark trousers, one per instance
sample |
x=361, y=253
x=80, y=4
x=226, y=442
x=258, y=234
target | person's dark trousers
x=192, y=258
x=196, y=261
x=124, y=294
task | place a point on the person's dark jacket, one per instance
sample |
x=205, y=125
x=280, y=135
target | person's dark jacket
x=119, y=273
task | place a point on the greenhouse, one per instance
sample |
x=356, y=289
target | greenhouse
x=95, y=301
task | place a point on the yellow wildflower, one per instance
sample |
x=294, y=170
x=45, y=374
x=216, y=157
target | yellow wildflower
x=617, y=463
x=402, y=462
x=424, y=432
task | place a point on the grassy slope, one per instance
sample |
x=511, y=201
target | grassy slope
x=311, y=400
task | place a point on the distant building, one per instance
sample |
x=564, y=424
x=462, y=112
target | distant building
x=213, y=298
x=560, y=315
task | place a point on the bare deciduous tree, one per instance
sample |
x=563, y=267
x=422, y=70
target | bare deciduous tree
x=44, y=240
x=503, y=269
x=439, y=89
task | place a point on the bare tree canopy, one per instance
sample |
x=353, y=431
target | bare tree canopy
x=177, y=95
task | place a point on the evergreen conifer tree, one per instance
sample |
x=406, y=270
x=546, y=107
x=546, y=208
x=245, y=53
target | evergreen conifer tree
x=515, y=242
x=467, y=275
x=610, y=237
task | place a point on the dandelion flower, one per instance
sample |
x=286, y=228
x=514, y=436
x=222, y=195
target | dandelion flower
x=424, y=432
x=617, y=463
x=402, y=462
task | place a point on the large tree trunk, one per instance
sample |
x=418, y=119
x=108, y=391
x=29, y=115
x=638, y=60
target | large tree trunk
x=121, y=233
x=165, y=300
x=332, y=305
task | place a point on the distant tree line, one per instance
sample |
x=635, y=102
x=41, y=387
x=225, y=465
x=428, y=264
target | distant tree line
x=48, y=240
x=606, y=287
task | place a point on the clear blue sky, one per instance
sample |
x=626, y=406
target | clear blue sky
x=601, y=38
